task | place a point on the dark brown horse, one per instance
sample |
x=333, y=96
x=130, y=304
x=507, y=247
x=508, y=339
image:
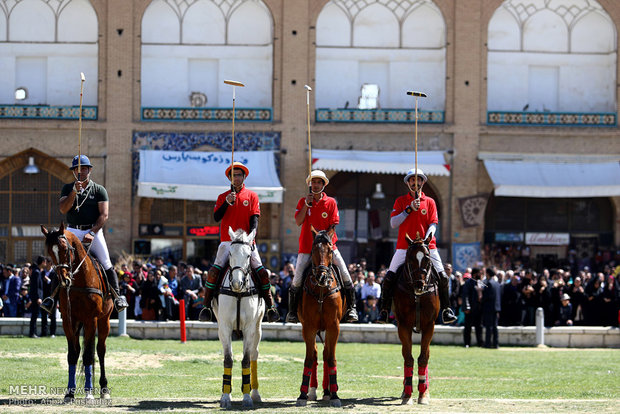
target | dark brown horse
x=84, y=304
x=416, y=306
x=320, y=310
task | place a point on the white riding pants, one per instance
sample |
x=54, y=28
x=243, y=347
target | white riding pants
x=221, y=258
x=401, y=254
x=304, y=258
x=98, y=247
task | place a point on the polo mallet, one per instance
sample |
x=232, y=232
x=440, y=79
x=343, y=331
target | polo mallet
x=232, y=157
x=308, y=89
x=79, y=174
x=423, y=95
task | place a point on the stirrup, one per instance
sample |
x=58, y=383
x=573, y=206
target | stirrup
x=205, y=315
x=120, y=304
x=47, y=305
x=447, y=316
x=384, y=316
x=351, y=316
x=292, y=318
x=273, y=315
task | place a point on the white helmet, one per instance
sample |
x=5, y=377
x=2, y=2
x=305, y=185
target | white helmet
x=412, y=172
x=317, y=174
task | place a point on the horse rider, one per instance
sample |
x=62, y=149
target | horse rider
x=238, y=209
x=320, y=211
x=415, y=213
x=86, y=205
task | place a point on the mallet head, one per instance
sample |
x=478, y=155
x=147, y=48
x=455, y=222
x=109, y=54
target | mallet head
x=308, y=88
x=233, y=83
x=82, y=76
x=416, y=93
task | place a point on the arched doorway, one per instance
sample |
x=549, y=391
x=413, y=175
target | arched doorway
x=28, y=200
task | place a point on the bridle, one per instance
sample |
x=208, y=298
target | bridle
x=321, y=273
x=245, y=270
x=70, y=253
x=420, y=278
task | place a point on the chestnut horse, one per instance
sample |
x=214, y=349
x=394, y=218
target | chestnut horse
x=320, y=310
x=416, y=306
x=84, y=303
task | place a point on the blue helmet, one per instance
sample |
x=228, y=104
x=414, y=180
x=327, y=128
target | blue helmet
x=83, y=160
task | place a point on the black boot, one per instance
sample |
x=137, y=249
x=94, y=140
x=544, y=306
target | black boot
x=350, y=314
x=48, y=303
x=447, y=316
x=120, y=303
x=387, y=291
x=213, y=276
x=293, y=302
x=272, y=313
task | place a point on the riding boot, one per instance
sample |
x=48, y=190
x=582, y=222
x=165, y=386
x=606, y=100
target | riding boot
x=387, y=291
x=120, y=303
x=293, y=302
x=350, y=315
x=48, y=303
x=265, y=289
x=447, y=316
x=210, y=286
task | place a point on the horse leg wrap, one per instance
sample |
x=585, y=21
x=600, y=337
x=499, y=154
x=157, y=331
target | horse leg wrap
x=333, y=383
x=314, y=381
x=325, y=376
x=227, y=381
x=254, y=375
x=408, y=381
x=422, y=379
x=245, y=380
x=71, y=384
x=88, y=377
x=305, y=381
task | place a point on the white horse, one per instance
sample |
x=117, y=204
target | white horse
x=240, y=308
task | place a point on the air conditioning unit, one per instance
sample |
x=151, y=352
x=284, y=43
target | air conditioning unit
x=269, y=251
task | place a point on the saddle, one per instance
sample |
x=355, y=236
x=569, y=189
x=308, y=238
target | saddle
x=107, y=290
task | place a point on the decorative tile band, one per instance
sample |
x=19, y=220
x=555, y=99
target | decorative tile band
x=206, y=114
x=189, y=141
x=379, y=115
x=605, y=119
x=89, y=113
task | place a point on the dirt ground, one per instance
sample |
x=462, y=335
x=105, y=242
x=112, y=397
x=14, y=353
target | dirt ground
x=368, y=405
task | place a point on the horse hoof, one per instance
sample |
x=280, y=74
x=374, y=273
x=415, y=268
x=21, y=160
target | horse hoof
x=69, y=398
x=424, y=401
x=312, y=394
x=225, y=401
x=335, y=403
x=256, y=396
x=105, y=396
x=327, y=395
x=89, y=398
x=301, y=402
x=247, y=401
x=407, y=401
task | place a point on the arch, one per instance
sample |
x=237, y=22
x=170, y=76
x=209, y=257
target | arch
x=333, y=27
x=504, y=31
x=424, y=28
x=545, y=31
x=375, y=26
x=78, y=23
x=204, y=23
x=593, y=33
x=32, y=20
x=3, y=25
x=42, y=160
x=160, y=24
x=250, y=24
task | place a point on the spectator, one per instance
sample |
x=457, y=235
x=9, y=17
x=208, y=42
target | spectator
x=566, y=310
x=370, y=312
x=150, y=301
x=578, y=299
x=370, y=287
x=11, y=294
x=610, y=302
x=491, y=307
x=511, y=301
x=36, y=298
x=48, y=275
x=472, y=295
x=594, y=301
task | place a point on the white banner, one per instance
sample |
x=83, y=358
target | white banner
x=549, y=239
x=195, y=175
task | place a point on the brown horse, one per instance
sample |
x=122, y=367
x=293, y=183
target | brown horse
x=416, y=306
x=320, y=310
x=84, y=303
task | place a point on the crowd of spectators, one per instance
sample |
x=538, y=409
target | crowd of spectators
x=154, y=290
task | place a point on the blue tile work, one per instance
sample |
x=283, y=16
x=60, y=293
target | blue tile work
x=379, y=115
x=189, y=141
x=606, y=119
x=89, y=113
x=206, y=114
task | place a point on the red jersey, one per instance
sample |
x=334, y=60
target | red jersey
x=238, y=215
x=417, y=222
x=321, y=215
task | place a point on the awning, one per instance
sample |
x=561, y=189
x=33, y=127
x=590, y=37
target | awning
x=197, y=175
x=553, y=176
x=381, y=162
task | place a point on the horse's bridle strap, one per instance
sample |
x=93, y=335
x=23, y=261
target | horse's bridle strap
x=229, y=292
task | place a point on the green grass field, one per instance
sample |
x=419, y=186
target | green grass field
x=153, y=374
